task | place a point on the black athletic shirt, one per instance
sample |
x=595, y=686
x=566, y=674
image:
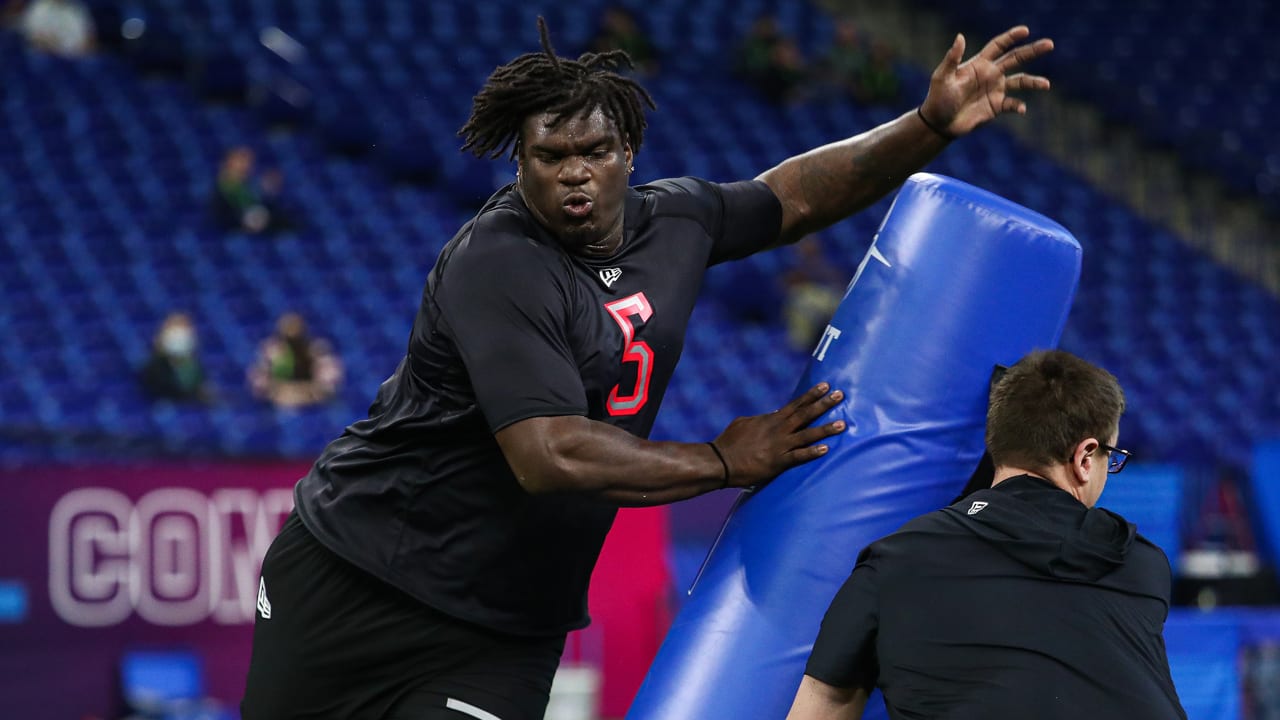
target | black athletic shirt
x=1016, y=602
x=512, y=327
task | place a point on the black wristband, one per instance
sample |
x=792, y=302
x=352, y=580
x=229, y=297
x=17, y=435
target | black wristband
x=936, y=131
x=723, y=464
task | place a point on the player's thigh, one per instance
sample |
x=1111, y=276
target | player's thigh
x=330, y=640
x=510, y=680
x=431, y=706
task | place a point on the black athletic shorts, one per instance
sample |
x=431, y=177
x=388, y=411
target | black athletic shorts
x=332, y=641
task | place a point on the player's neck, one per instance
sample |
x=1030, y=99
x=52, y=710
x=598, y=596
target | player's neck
x=607, y=245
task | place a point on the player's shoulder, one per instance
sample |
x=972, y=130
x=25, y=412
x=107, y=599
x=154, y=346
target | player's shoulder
x=672, y=194
x=687, y=197
x=698, y=197
x=677, y=187
x=503, y=214
x=498, y=249
x=504, y=222
x=502, y=237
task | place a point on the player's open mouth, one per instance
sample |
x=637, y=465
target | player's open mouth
x=577, y=205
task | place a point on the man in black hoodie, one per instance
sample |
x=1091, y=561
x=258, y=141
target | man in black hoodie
x=1019, y=601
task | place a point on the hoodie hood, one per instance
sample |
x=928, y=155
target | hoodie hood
x=1046, y=529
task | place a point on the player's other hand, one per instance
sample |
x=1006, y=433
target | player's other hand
x=964, y=95
x=760, y=447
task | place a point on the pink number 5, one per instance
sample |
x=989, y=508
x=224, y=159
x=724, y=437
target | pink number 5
x=637, y=351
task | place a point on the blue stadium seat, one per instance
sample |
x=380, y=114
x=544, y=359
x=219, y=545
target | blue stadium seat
x=1151, y=497
x=105, y=232
x=1180, y=93
x=1203, y=650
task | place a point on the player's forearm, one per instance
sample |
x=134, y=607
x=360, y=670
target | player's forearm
x=629, y=471
x=574, y=454
x=827, y=184
x=687, y=478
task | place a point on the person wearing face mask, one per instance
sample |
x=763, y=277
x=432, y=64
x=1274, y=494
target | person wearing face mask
x=294, y=369
x=173, y=372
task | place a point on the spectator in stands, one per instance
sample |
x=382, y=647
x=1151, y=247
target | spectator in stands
x=11, y=12
x=771, y=61
x=271, y=188
x=844, y=62
x=813, y=289
x=173, y=372
x=878, y=82
x=243, y=202
x=619, y=30
x=293, y=368
x=1021, y=600
x=59, y=27
x=869, y=77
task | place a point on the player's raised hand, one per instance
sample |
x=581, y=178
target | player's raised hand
x=756, y=449
x=964, y=95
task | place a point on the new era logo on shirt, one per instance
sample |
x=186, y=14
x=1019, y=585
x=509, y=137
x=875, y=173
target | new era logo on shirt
x=976, y=507
x=609, y=276
x=264, y=605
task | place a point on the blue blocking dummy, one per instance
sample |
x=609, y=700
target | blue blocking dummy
x=957, y=281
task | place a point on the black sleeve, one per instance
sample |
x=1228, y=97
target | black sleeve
x=741, y=218
x=507, y=310
x=844, y=655
x=751, y=220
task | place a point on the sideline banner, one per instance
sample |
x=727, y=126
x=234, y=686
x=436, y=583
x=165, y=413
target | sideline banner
x=100, y=560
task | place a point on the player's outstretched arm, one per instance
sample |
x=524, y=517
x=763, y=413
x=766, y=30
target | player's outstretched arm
x=827, y=184
x=817, y=700
x=574, y=454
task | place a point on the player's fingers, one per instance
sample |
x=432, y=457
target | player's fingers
x=1023, y=54
x=953, y=57
x=1021, y=81
x=799, y=456
x=1003, y=42
x=809, y=397
x=1013, y=105
x=806, y=414
x=809, y=436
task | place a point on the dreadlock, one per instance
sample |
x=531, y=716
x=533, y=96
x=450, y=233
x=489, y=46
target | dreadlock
x=543, y=83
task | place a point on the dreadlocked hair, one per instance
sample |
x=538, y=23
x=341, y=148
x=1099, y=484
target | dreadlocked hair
x=540, y=82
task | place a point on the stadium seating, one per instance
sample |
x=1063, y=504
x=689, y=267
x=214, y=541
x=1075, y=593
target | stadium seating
x=106, y=165
x=1204, y=651
x=1263, y=492
x=1194, y=76
x=1150, y=496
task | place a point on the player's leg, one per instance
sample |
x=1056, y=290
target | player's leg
x=329, y=639
x=507, y=678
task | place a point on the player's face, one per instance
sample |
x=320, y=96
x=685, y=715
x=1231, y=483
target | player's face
x=573, y=177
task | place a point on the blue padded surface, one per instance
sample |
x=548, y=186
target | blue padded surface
x=957, y=281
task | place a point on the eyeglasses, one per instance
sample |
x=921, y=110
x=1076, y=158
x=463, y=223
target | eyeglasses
x=1116, y=458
